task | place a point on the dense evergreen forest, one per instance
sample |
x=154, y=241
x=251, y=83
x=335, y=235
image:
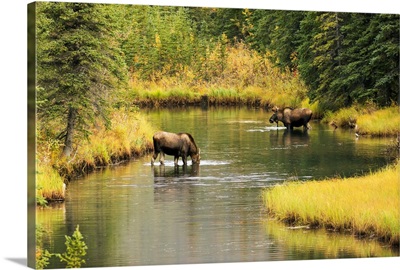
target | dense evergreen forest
x=87, y=54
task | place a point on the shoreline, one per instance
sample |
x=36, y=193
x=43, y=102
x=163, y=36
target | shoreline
x=364, y=206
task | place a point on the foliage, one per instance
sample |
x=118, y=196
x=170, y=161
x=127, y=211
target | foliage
x=79, y=61
x=248, y=77
x=76, y=250
x=73, y=256
x=366, y=205
x=343, y=58
x=42, y=256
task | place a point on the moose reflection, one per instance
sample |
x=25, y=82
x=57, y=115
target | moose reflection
x=290, y=138
x=176, y=171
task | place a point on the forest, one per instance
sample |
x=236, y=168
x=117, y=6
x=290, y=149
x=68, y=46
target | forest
x=97, y=64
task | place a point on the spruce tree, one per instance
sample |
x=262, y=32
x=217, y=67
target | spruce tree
x=79, y=63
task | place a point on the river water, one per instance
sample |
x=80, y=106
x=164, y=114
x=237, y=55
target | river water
x=138, y=214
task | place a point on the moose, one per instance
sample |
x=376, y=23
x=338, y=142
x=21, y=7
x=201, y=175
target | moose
x=177, y=145
x=291, y=117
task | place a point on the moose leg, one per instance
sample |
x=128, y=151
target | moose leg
x=154, y=157
x=162, y=156
x=184, y=159
x=176, y=158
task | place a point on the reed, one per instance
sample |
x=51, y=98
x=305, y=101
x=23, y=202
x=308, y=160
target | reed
x=366, y=205
x=130, y=135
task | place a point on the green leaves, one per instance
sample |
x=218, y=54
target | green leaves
x=344, y=58
x=73, y=256
x=79, y=63
x=76, y=250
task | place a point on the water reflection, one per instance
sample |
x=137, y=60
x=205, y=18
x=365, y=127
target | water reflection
x=322, y=244
x=287, y=138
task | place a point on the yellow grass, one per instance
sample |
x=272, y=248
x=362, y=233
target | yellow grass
x=246, y=78
x=49, y=183
x=367, y=205
x=130, y=135
x=368, y=120
x=385, y=122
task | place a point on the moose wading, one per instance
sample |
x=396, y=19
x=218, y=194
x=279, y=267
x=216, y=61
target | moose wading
x=177, y=145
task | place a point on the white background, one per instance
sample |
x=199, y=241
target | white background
x=13, y=129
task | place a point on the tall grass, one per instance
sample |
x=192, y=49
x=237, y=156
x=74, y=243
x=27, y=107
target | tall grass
x=49, y=184
x=246, y=77
x=385, y=122
x=367, y=205
x=367, y=120
x=130, y=135
x=345, y=117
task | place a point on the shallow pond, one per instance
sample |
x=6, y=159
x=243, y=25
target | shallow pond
x=138, y=214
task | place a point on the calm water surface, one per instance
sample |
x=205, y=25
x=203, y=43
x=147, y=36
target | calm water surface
x=138, y=214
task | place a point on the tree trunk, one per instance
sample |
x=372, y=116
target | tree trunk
x=70, y=132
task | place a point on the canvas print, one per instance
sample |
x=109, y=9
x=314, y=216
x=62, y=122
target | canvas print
x=182, y=135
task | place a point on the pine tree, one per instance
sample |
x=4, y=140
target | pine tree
x=79, y=63
x=384, y=58
x=326, y=47
x=308, y=72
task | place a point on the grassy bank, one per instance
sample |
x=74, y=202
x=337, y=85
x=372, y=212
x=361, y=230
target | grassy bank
x=164, y=94
x=244, y=78
x=365, y=206
x=367, y=120
x=129, y=136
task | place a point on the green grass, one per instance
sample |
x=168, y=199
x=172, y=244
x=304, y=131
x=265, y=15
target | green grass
x=366, y=206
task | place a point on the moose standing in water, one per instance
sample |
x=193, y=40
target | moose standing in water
x=291, y=117
x=177, y=145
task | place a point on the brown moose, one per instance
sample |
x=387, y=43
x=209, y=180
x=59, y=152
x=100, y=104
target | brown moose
x=177, y=145
x=291, y=117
